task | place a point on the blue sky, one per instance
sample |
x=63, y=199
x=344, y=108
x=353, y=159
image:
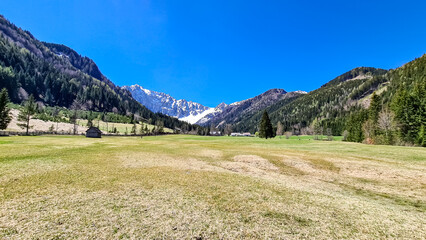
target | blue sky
x=214, y=51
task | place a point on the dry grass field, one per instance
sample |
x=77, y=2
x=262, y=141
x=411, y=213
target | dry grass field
x=44, y=126
x=191, y=187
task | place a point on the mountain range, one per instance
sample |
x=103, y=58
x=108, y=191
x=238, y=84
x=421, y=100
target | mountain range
x=197, y=113
x=182, y=109
x=56, y=75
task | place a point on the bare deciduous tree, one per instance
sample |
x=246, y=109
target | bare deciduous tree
x=228, y=129
x=280, y=129
x=345, y=135
x=288, y=135
x=386, y=121
x=368, y=130
x=76, y=105
x=329, y=134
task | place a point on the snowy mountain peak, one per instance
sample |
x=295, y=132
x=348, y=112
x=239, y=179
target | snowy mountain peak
x=161, y=102
x=300, y=91
x=221, y=106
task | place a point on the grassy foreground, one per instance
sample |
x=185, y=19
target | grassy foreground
x=182, y=187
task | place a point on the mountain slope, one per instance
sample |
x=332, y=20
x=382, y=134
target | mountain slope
x=58, y=76
x=331, y=103
x=245, y=109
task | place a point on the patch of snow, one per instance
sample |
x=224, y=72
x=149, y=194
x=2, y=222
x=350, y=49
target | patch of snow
x=62, y=55
x=197, y=117
x=236, y=103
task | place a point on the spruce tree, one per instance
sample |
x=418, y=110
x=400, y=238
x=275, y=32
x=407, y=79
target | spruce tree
x=374, y=109
x=265, y=128
x=141, y=130
x=133, y=131
x=29, y=108
x=354, y=126
x=4, y=109
x=410, y=112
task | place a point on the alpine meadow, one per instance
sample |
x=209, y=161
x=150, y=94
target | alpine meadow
x=278, y=120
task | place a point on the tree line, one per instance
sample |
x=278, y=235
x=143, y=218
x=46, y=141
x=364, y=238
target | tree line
x=54, y=82
x=31, y=109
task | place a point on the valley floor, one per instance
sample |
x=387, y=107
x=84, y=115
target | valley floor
x=182, y=187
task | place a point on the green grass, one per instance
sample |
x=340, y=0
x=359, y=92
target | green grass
x=186, y=187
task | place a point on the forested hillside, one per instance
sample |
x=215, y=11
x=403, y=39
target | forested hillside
x=364, y=104
x=244, y=110
x=58, y=76
x=329, y=104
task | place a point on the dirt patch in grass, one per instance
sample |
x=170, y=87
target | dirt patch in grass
x=147, y=160
x=209, y=153
x=189, y=187
x=249, y=164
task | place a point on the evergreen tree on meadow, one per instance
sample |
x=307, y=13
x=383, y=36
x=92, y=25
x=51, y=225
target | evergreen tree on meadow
x=354, y=126
x=409, y=107
x=89, y=123
x=133, y=131
x=4, y=109
x=29, y=108
x=141, y=130
x=265, y=128
x=370, y=126
x=374, y=109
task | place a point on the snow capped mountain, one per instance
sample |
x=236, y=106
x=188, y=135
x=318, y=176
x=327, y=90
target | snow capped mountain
x=163, y=103
x=196, y=113
x=202, y=120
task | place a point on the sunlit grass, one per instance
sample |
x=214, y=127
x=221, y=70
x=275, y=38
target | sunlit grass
x=185, y=187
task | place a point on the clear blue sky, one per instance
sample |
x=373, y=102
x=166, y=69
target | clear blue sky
x=224, y=50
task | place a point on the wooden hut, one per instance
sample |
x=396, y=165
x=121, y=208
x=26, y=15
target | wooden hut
x=93, y=132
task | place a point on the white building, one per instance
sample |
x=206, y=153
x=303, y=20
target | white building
x=246, y=134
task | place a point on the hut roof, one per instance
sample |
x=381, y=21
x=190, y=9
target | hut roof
x=94, y=129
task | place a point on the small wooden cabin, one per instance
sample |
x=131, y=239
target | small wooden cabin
x=93, y=132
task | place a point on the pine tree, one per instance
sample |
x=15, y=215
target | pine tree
x=89, y=123
x=141, y=130
x=4, y=109
x=29, y=108
x=73, y=120
x=133, y=131
x=374, y=109
x=160, y=127
x=354, y=126
x=265, y=128
x=410, y=112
